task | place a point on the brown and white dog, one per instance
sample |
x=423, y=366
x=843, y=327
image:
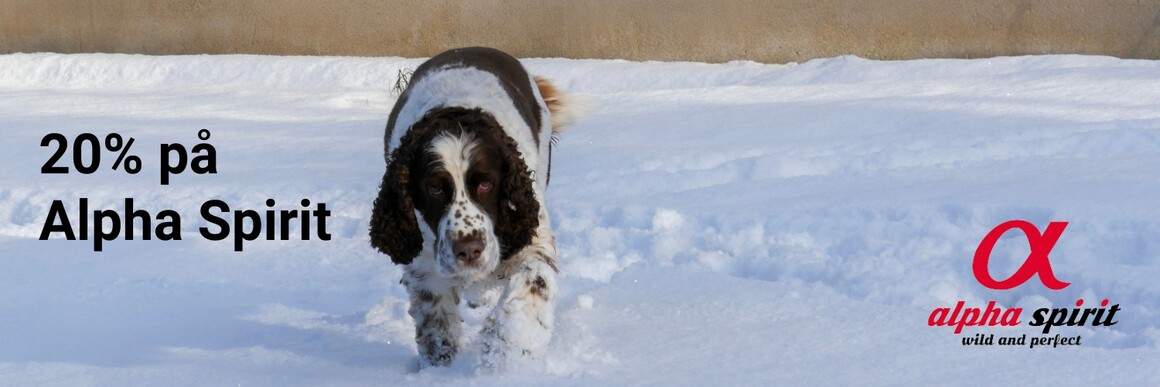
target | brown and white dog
x=468, y=150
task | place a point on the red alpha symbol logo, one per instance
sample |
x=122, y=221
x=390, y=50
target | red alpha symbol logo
x=1037, y=262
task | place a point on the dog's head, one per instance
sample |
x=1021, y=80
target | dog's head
x=465, y=178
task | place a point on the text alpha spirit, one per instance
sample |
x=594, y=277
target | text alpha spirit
x=1038, y=264
x=107, y=224
x=166, y=225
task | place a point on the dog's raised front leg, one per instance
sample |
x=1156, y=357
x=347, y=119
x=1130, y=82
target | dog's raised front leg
x=434, y=307
x=521, y=324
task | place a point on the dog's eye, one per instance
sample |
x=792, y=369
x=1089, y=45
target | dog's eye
x=435, y=190
x=484, y=187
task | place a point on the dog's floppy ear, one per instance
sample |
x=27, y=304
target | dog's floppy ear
x=394, y=229
x=519, y=211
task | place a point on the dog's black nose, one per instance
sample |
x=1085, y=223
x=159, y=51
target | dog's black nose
x=468, y=249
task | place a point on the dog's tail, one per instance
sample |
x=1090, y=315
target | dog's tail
x=566, y=109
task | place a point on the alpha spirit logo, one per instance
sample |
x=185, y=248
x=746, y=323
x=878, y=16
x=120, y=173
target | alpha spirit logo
x=1038, y=263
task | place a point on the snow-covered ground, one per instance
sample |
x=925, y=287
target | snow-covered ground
x=719, y=224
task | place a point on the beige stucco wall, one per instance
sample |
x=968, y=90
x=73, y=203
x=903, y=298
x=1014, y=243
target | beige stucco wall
x=712, y=31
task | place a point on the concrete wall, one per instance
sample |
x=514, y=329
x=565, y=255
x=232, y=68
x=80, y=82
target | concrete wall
x=712, y=31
